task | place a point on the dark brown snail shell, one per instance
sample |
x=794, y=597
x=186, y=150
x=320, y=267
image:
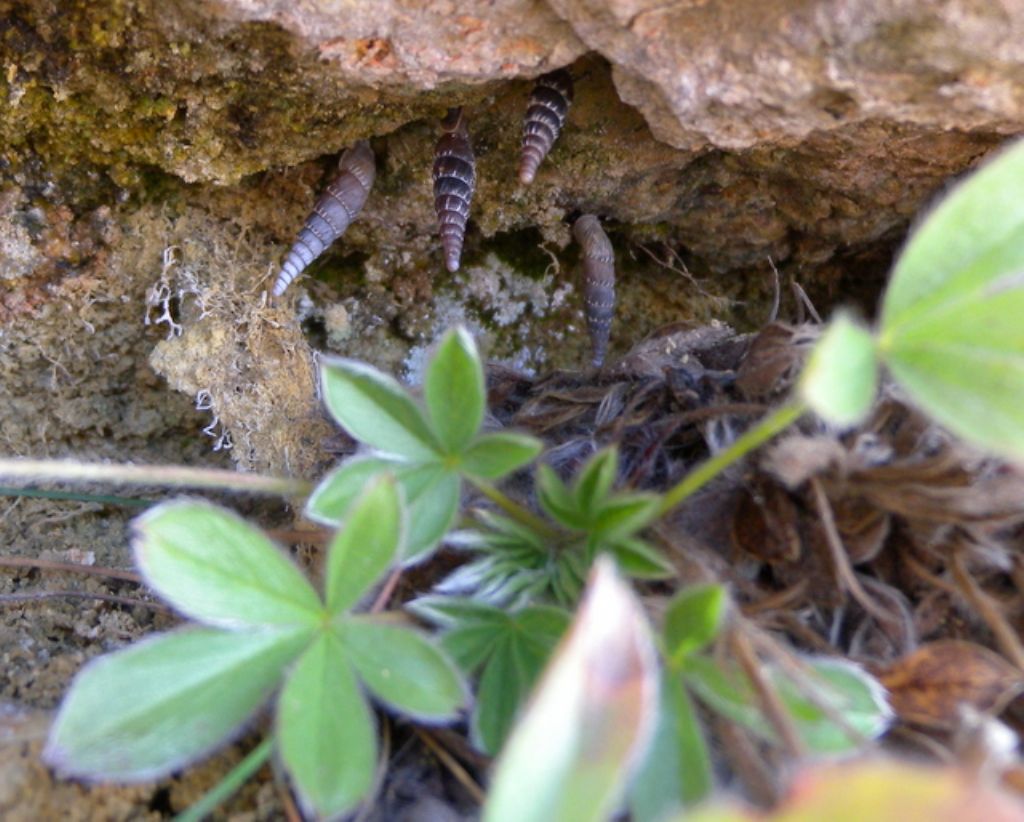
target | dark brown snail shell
x=337, y=207
x=454, y=183
x=598, y=282
x=545, y=116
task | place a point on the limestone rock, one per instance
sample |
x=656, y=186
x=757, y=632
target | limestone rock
x=741, y=73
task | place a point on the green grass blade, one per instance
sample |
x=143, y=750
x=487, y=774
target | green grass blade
x=230, y=785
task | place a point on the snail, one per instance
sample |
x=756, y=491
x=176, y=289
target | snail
x=545, y=116
x=454, y=183
x=598, y=282
x=337, y=207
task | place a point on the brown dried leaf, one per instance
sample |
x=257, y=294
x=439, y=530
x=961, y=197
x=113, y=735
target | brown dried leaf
x=928, y=686
x=863, y=528
x=765, y=522
x=774, y=359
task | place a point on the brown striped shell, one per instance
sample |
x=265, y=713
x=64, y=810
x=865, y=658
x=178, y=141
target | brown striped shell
x=545, y=116
x=598, y=282
x=337, y=207
x=454, y=183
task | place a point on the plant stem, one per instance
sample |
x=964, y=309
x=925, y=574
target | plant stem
x=230, y=784
x=753, y=438
x=168, y=476
x=514, y=509
x=102, y=499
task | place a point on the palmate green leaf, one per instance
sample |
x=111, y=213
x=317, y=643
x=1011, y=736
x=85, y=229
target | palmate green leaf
x=727, y=691
x=950, y=330
x=365, y=546
x=524, y=643
x=431, y=514
x=449, y=612
x=975, y=392
x=595, y=480
x=588, y=722
x=336, y=492
x=677, y=769
x=692, y=620
x=504, y=685
x=454, y=391
x=557, y=500
x=215, y=567
x=470, y=646
x=639, y=560
x=511, y=647
x=970, y=239
x=402, y=668
x=840, y=379
x=431, y=494
x=514, y=533
x=492, y=456
x=325, y=732
x=850, y=692
x=376, y=410
x=160, y=704
x=622, y=515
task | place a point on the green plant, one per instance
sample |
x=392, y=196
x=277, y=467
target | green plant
x=520, y=562
x=181, y=694
x=507, y=648
x=571, y=755
x=430, y=450
x=950, y=331
x=951, y=338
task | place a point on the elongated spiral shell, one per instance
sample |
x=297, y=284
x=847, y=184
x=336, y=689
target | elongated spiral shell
x=337, y=207
x=454, y=183
x=598, y=282
x=545, y=116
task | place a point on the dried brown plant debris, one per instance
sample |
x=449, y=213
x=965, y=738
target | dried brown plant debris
x=930, y=686
x=892, y=545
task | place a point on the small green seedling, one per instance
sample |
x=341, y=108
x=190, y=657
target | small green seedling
x=522, y=563
x=430, y=450
x=831, y=689
x=588, y=723
x=508, y=648
x=150, y=709
x=835, y=708
x=677, y=769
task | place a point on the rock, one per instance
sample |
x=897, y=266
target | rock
x=714, y=139
x=741, y=73
x=423, y=45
